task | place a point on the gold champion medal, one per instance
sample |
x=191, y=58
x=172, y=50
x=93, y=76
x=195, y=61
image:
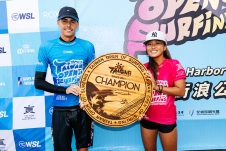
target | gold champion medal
x=114, y=89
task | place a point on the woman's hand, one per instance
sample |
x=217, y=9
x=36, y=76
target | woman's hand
x=151, y=80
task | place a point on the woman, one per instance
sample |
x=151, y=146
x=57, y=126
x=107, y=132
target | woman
x=168, y=78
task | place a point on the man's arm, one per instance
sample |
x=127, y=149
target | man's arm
x=42, y=84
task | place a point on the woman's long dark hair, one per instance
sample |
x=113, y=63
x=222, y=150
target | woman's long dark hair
x=154, y=66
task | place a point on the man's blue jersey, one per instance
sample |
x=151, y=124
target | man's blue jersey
x=67, y=61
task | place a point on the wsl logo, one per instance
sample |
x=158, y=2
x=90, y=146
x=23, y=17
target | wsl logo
x=51, y=110
x=2, y=50
x=22, y=16
x=31, y=144
x=3, y=114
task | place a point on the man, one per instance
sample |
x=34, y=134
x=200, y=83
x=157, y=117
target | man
x=67, y=57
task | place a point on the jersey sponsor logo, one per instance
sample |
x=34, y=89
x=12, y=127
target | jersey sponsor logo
x=39, y=63
x=2, y=50
x=160, y=98
x=68, y=72
x=3, y=114
x=61, y=98
x=30, y=144
x=67, y=51
x=22, y=16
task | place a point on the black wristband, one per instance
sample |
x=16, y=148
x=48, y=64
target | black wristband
x=160, y=88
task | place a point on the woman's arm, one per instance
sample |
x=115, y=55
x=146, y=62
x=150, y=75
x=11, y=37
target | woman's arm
x=177, y=90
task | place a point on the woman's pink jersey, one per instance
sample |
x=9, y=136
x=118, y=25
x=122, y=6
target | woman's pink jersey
x=162, y=108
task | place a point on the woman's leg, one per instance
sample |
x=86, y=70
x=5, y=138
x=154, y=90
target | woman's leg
x=169, y=140
x=149, y=138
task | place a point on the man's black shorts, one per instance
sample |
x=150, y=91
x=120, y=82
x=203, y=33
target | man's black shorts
x=67, y=121
x=160, y=127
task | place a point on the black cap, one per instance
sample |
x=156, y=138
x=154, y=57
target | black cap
x=68, y=12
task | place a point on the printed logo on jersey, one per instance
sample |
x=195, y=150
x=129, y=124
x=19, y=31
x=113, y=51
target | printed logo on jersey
x=67, y=51
x=68, y=73
x=160, y=98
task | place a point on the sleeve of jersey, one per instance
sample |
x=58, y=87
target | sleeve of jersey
x=92, y=53
x=42, y=84
x=42, y=64
x=179, y=71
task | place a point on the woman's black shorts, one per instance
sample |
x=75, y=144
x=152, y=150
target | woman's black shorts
x=160, y=127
